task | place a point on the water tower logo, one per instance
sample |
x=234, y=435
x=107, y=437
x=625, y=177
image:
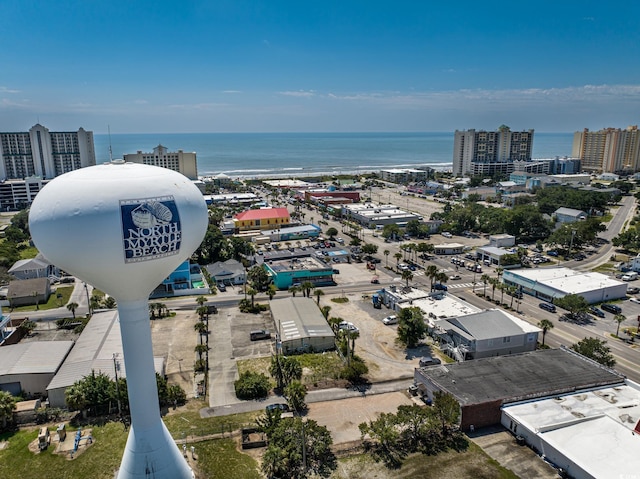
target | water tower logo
x=150, y=228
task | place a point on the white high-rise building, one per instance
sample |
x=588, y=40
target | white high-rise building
x=489, y=152
x=43, y=153
x=611, y=150
x=179, y=161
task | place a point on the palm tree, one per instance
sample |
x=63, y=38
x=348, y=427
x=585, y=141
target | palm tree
x=485, y=279
x=200, y=327
x=72, y=307
x=325, y=311
x=294, y=289
x=307, y=286
x=499, y=271
x=407, y=276
x=397, y=256
x=386, y=257
x=201, y=349
x=441, y=277
x=110, y=302
x=201, y=300
x=494, y=283
x=545, y=325
x=271, y=291
x=431, y=272
x=619, y=318
x=502, y=287
x=318, y=293
x=252, y=292
x=334, y=322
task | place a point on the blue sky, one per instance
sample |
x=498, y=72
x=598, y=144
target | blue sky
x=284, y=66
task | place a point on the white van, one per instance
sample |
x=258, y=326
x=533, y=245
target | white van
x=631, y=276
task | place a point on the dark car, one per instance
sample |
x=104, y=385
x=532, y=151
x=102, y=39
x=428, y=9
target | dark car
x=440, y=287
x=611, y=308
x=281, y=406
x=259, y=334
x=595, y=311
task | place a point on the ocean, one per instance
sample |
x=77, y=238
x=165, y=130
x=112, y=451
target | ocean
x=307, y=154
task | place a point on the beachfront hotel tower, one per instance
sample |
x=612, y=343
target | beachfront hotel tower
x=479, y=152
x=611, y=150
x=43, y=153
x=180, y=161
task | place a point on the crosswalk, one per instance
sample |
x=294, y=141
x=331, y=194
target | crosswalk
x=460, y=285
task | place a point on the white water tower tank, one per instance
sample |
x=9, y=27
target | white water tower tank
x=123, y=228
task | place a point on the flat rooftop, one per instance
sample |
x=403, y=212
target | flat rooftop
x=594, y=429
x=298, y=318
x=443, y=305
x=518, y=377
x=566, y=279
x=296, y=264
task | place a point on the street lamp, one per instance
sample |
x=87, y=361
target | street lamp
x=86, y=290
x=116, y=367
x=573, y=234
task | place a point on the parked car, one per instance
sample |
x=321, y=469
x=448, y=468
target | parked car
x=633, y=290
x=611, y=308
x=259, y=334
x=393, y=319
x=348, y=326
x=635, y=300
x=281, y=406
x=548, y=307
x=428, y=361
x=595, y=311
x=222, y=287
x=446, y=234
x=440, y=287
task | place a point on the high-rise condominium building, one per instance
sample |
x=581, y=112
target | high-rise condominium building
x=179, y=161
x=489, y=152
x=611, y=150
x=43, y=153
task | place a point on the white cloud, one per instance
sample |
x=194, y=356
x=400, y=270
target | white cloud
x=231, y=91
x=299, y=93
x=4, y=89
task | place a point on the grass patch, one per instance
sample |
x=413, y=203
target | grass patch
x=340, y=300
x=54, y=301
x=28, y=252
x=222, y=458
x=186, y=420
x=604, y=268
x=99, y=461
x=316, y=367
x=448, y=465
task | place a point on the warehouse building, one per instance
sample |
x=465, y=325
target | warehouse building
x=99, y=349
x=483, y=386
x=301, y=326
x=29, y=367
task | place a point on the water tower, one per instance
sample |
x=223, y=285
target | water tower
x=123, y=228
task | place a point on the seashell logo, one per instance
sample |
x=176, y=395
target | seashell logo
x=150, y=228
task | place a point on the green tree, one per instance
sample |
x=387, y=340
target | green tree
x=619, y=318
x=7, y=406
x=391, y=231
x=382, y=438
x=417, y=424
x=298, y=449
x=545, y=325
x=325, y=311
x=431, y=273
x=397, y=256
x=595, y=349
x=386, y=253
x=574, y=303
x=271, y=291
x=27, y=326
x=296, y=393
x=72, y=307
x=201, y=349
x=200, y=328
x=411, y=327
x=259, y=278
x=110, y=302
x=252, y=385
x=285, y=370
x=295, y=289
x=370, y=249
x=447, y=411
x=307, y=286
x=201, y=300
x=21, y=221
x=332, y=232
x=317, y=293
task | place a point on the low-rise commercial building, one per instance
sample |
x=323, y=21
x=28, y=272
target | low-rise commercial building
x=448, y=248
x=550, y=283
x=301, y=326
x=262, y=219
x=484, y=334
x=569, y=215
x=286, y=273
x=370, y=215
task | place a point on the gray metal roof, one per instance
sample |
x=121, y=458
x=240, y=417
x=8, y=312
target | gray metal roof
x=518, y=376
x=489, y=324
x=94, y=350
x=33, y=357
x=299, y=317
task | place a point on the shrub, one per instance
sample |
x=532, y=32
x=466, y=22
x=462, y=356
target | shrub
x=252, y=386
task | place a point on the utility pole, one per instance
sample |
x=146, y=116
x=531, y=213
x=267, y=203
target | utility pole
x=115, y=370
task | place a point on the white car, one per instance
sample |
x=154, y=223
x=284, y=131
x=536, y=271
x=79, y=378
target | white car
x=446, y=234
x=635, y=300
x=393, y=319
x=348, y=326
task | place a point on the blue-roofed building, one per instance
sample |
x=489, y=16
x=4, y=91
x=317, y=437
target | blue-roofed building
x=185, y=280
x=286, y=273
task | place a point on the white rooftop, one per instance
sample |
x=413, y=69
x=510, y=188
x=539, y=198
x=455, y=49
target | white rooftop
x=37, y=357
x=594, y=429
x=441, y=305
x=568, y=280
